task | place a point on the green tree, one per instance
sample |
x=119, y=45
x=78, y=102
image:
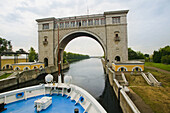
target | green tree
x=20, y=51
x=131, y=54
x=146, y=55
x=65, y=57
x=5, y=45
x=32, y=55
x=161, y=55
x=156, y=57
x=140, y=55
x=71, y=57
x=165, y=59
x=134, y=55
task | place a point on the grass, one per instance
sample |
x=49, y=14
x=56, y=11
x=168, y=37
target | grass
x=135, y=80
x=158, y=65
x=162, y=77
x=5, y=75
x=158, y=98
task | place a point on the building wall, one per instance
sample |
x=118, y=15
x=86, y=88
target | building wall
x=117, y=48
x=30, y=67
x=129, y=67
x=5, y=62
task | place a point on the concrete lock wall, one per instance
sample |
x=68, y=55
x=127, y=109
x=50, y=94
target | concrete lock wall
x=8, y=82
x=125, y=102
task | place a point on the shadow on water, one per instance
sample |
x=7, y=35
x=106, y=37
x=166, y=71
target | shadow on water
x=109, y=100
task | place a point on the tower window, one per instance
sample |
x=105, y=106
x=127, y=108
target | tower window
x=102, y=21
x=46, y=26
x=115, y=20
x=117, y=38
x=45, y=42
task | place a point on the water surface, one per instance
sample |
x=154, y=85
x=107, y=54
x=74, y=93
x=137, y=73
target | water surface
x=89, y=75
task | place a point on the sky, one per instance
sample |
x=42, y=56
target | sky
x=148, y=22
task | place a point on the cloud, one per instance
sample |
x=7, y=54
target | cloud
x=148, y=21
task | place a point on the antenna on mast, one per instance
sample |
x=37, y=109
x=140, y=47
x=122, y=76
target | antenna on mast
x=87, y=7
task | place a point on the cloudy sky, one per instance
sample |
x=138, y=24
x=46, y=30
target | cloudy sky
x=148, y=22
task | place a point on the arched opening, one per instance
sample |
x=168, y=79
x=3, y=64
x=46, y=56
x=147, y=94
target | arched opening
x=7, y=66
x=122, y=69
x=137, y=69
x=117, y=58
x=41, y=67
x=26, y=68
x=35, y=67
x=66, y=39
x=17, y=69
x=46, y=62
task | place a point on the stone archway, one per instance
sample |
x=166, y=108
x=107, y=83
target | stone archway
x=77, y=34
x=110, y=34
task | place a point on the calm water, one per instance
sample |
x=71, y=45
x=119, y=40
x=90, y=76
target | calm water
x=88, y=74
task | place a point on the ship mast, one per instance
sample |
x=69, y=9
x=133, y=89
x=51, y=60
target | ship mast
x=59, y=61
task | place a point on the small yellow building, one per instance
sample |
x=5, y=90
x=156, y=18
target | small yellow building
x=27, y=66
x=128, y=66
x=7, y=61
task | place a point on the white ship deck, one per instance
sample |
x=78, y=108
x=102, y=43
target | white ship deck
x=65, y=99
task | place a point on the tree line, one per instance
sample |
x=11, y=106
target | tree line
x=72, y=57
x=160, y=56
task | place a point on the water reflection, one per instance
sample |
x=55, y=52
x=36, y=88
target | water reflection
x=88, y=74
